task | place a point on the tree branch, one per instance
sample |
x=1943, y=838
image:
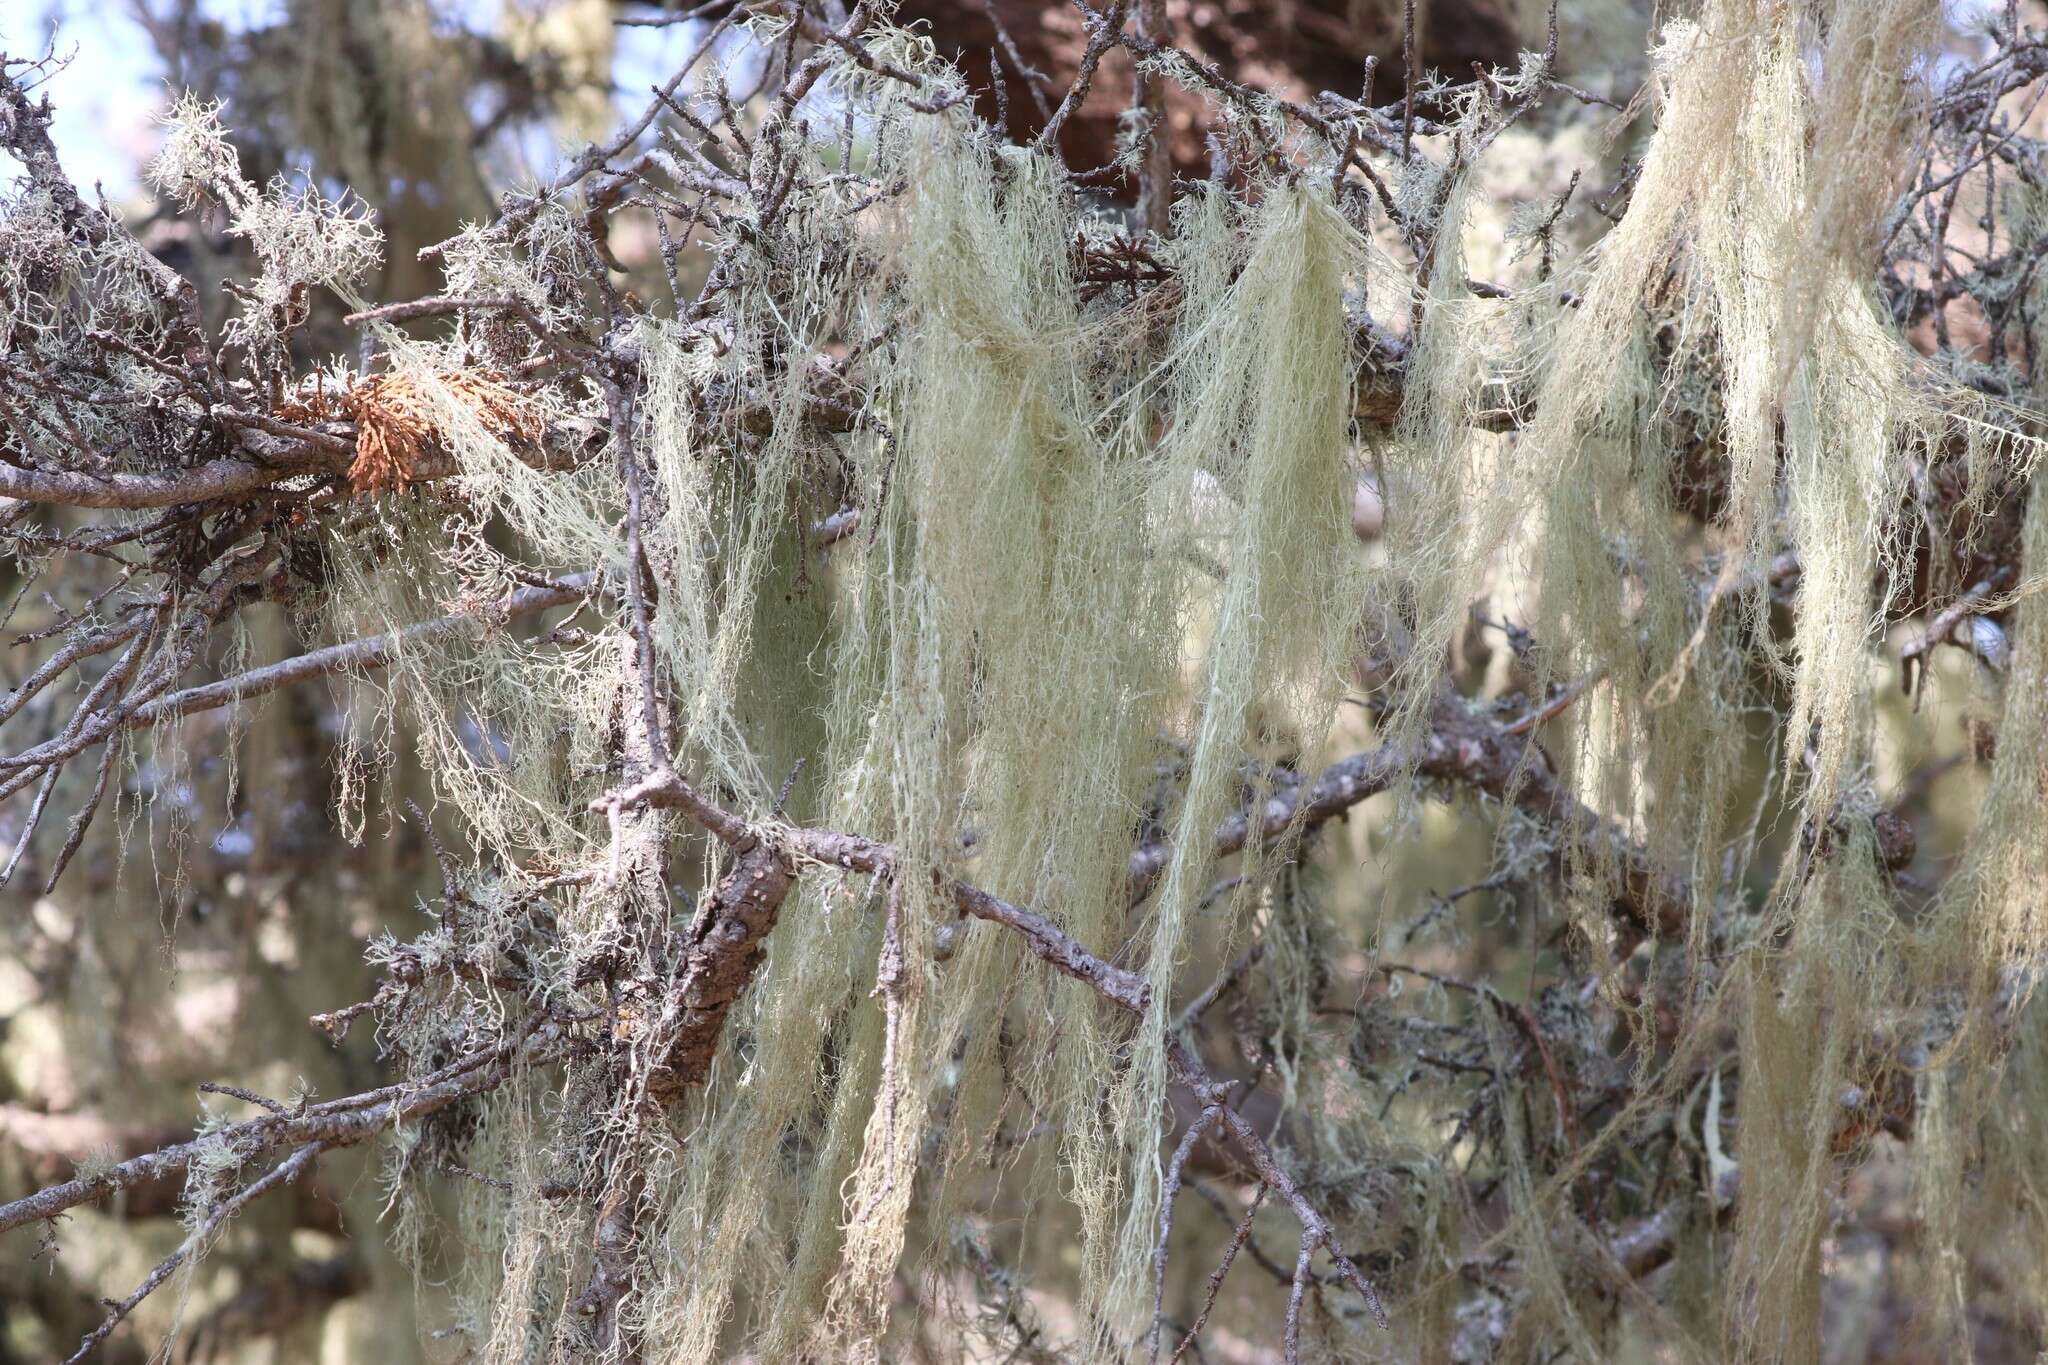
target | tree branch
x=355, y=656
x=337, y=1123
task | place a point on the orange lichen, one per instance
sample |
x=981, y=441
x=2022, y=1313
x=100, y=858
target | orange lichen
x=395, y=421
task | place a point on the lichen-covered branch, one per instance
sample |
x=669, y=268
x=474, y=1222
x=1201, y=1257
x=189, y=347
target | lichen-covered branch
x=991, y=585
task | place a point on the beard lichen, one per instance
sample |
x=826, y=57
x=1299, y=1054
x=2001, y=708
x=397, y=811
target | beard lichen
x=1100, y=538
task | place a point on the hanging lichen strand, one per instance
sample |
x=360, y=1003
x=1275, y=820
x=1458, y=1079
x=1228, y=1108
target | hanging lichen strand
x=965, y=589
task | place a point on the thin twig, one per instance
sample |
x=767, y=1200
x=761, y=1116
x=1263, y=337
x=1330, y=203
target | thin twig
x=283, y=1173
